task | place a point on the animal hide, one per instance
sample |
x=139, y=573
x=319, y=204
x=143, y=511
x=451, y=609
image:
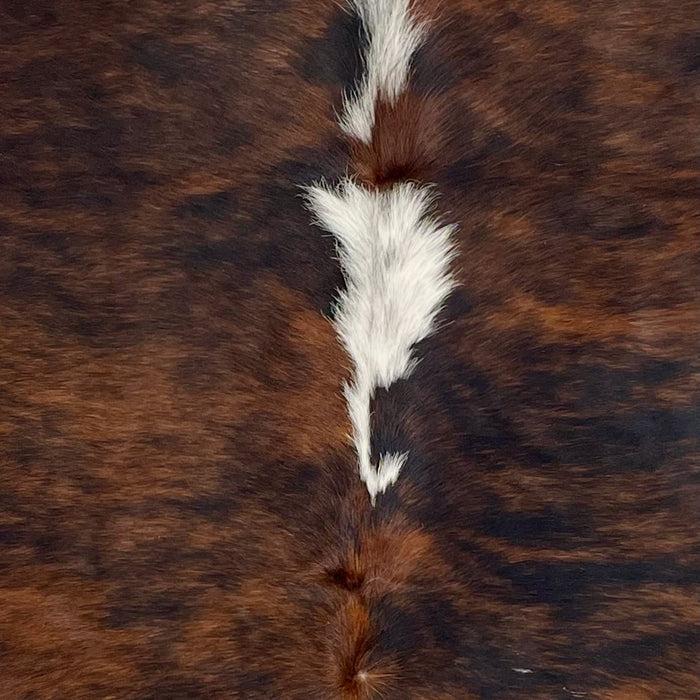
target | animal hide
x=349, y=350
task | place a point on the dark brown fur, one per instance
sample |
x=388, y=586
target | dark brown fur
x=180, y=515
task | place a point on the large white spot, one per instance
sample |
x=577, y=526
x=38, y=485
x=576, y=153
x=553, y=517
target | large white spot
x=395, y=258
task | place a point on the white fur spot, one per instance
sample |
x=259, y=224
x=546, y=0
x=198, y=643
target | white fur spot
x=393, y=38
x=395, y=258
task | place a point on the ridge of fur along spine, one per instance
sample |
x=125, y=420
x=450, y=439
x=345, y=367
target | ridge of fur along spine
x=394, y=254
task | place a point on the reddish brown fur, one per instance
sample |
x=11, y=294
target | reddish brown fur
x=180, y=514
x=406, y=142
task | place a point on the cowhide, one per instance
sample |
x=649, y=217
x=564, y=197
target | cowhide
x=349, y=352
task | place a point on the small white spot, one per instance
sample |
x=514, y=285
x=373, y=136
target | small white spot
x=523, y=670
x=392, y=38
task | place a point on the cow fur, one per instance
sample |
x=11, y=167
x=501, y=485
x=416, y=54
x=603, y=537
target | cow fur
x=180, y=509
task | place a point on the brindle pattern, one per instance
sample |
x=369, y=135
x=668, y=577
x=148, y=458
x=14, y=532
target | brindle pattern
x=180, y=514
